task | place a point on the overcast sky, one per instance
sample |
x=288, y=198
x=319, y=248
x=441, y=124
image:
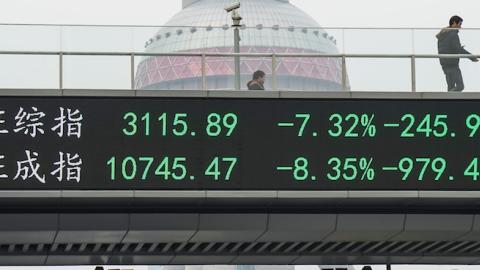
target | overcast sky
x=345, y=13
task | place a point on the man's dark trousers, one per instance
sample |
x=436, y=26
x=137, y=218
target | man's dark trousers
x=454, y=78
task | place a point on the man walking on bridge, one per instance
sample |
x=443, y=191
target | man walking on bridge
x=449, y=43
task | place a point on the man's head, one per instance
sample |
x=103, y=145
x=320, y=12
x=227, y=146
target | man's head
x=456, y=22
x=259, y=76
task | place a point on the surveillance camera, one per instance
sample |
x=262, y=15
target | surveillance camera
x=232, y=7
x=236, y=17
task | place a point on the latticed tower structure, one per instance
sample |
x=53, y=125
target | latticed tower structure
x=270, y=26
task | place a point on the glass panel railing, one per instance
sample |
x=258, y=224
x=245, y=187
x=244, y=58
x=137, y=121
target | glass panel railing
x=431, y=78
x=373, y=74
x=100, y=57
x=30, y=38
x=96, y=72
x=424, y=41
x=378, y=41
x=141, y=38
x=29, y=71
x=97, y=39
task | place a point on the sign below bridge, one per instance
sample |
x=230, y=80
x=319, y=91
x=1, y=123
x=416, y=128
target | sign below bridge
x=121, y=143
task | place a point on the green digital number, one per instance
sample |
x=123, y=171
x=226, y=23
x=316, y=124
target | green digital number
x=146, y=119
x=335, y=164
x=346, y=169
x=337, y=124
x=438, y=129
x=214, y=129
x=179, y=168
x=132, y=128
x=406, y=167
x=439, y=170
x=163, y=169
x=112, y=164
x=132, y=124
x=216, y=124
x=350, y=166
x=472, y=170
x=437, y=165
x=350, y=132
x=129, y=168
x=176, y=168
x=473, y=123
x=233, y=162
x=163, y=120
x=181, y=126
x=149, y=161
x=338, y=121
x=440, y=122
x=306, y=118
x=214, y=168
x=425, y=162
x=425, y=126
x=300, y=173
x=411, y=121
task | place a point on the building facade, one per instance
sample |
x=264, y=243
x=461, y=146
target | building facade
x=269, y=26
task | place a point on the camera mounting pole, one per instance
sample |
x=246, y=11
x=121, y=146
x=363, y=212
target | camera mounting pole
x=236, y=40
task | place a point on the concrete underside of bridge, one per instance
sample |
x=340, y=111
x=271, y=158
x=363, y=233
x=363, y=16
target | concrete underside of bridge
x=168, y=231
x=239, y=227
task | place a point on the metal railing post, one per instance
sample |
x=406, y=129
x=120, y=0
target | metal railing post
x=274, y=62
x=132, y=71
x=344, y=72
x=204, y=75
x=60, y=72
x=237, y=59
x=414, y=74
x=274, y=72
x=413, y=40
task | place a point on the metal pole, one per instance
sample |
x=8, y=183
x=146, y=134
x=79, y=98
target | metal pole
x=132, y=71
x=344, y=73
x=413, y=40
x=204, y=75
x=414, y=74
x=236, y=33
x=60, y=71
x=274, y=72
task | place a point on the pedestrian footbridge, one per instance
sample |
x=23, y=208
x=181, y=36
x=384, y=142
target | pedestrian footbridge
x=251, y=178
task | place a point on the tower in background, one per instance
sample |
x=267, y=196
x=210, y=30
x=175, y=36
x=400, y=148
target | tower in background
x=270, y=26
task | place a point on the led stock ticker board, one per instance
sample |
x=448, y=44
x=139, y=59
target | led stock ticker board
x=100, y=143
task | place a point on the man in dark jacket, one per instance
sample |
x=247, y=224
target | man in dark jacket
x=449, y=43
x=257, y=82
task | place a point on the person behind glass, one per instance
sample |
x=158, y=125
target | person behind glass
x=449, y=43
x=257, y=82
